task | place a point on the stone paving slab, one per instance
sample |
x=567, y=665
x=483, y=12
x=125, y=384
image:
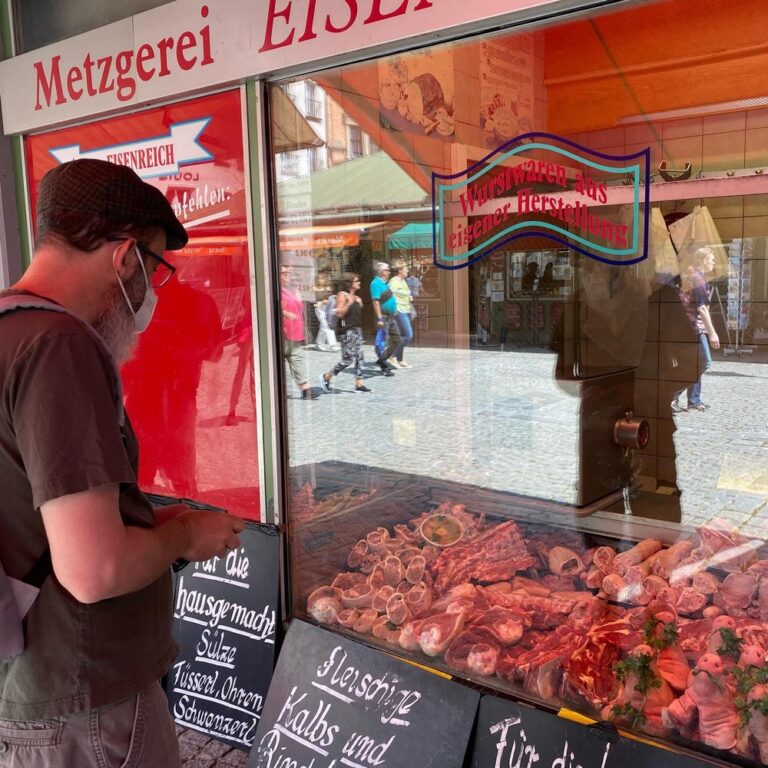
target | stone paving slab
x=500, y=420
x=201, y=751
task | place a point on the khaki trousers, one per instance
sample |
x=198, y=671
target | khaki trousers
x=137, y=732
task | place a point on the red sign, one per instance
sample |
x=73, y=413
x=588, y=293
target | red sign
x=513, y=316
x=189, y=388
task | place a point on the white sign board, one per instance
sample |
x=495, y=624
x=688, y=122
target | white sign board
x=190, y=45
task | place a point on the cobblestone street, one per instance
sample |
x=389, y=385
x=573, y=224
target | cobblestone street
x=201, y=751
x=499, y=420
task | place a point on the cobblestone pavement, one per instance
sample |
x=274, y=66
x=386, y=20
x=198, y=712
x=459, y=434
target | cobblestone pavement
x=499, y=420
x=201, y=751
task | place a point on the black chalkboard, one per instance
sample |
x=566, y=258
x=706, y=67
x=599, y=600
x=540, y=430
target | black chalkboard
x=225, y=621
x=335, y=703
x=511, y=735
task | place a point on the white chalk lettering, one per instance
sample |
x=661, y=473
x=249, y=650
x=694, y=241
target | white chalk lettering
x=526, y=753
x=304, y=723
x=393, y=702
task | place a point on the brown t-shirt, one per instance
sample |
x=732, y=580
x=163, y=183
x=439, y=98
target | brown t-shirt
x=59, y=434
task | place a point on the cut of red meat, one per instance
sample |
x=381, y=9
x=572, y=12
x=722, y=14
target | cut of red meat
x=690, y=601
x=588, y=674
x=506, y=624
x=495, y=555
x=436, y=633
x=458, y=652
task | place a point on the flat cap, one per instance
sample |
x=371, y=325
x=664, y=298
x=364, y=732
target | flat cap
x=109, y=190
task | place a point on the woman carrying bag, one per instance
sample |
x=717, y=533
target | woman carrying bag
x=349, y=310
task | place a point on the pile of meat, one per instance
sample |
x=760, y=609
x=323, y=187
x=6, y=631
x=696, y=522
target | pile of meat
x=668, y=640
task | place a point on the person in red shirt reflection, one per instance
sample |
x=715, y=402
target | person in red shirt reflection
x=292, y=307
x=185, y=333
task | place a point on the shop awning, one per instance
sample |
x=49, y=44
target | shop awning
x=414, y=235
x=373, y=182
x=290, y=131
x=319, y=236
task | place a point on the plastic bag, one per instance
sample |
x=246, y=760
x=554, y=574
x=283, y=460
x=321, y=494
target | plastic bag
x=380, y=344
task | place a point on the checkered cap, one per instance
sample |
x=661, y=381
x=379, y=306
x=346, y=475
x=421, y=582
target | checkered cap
x=112, y=191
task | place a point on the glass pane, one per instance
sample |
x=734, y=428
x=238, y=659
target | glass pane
x=189, y=387
x=564, y=426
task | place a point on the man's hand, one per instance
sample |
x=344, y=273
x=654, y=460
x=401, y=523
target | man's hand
x=167, y=512
x=96, y=556
x=714, y=340
x=210, y=533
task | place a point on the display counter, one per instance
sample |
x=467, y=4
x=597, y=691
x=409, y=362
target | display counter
x=658, y=629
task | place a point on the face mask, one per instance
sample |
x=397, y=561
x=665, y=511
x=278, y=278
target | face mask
x=143, y=315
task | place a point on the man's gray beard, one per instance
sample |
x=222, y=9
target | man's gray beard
x=116, y=324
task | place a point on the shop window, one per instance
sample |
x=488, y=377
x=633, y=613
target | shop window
x=43, y=22
x=578, y=412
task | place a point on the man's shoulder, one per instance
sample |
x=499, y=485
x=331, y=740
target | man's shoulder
x=33, y=317
x=23, y=331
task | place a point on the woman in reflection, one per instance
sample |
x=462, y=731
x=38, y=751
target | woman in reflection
x=398, y=284
x=349, y=310
x=547, y=282
x=530, y=276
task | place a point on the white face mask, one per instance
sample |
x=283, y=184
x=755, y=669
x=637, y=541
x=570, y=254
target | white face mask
x=143, y=315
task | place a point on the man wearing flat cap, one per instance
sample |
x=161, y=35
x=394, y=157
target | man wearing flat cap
x=85, y=689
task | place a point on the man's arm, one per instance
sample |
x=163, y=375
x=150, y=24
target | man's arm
x=706, y=318
x=95, y=556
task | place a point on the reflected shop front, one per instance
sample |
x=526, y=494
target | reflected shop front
x=475, y=307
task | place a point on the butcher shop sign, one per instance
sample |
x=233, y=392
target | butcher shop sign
x=542, y=185
x=186, y=45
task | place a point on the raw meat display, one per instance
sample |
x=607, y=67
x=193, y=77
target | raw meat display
x=668, y=640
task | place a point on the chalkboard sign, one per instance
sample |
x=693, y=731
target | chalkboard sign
x=511, y=735
x=335, y=703
x=225, y=620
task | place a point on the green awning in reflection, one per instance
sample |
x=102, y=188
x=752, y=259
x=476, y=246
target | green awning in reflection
x=372, y=183
x=415, y=234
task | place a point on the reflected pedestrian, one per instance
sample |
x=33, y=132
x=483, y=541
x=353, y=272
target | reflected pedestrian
x=349, y=309
x=401, y=291
x=385, y=307
x=292, y=307
x=531, y=276
x=325, y=340
x=695, y=297
x=547, y=282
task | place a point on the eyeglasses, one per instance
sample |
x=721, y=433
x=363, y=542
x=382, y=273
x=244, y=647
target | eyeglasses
x=163, y=271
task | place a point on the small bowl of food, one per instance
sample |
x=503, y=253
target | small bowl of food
x=442, y=530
